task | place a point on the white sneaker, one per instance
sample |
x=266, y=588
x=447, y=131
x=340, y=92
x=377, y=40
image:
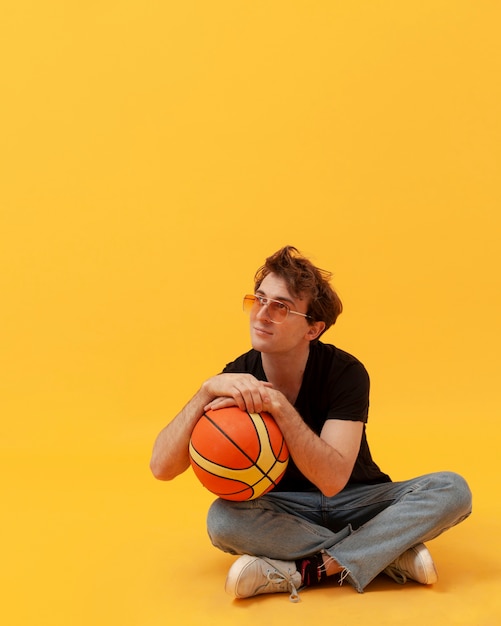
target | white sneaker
x=252, y=575
x=414, y=564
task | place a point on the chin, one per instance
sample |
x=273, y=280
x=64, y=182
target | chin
x=259, y=344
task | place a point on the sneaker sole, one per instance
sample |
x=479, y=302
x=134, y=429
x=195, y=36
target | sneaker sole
x=424, y=557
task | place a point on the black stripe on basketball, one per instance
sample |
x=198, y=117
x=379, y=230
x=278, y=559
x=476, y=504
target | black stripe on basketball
x=238, y=446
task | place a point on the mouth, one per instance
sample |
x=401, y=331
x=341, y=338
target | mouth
x=262, y=331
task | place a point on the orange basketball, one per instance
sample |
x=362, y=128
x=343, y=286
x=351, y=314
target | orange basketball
x=238, y=455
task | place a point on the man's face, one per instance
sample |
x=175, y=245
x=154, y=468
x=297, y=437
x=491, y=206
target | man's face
x=268, y=337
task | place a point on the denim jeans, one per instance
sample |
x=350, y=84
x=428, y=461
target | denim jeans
x=364, y=527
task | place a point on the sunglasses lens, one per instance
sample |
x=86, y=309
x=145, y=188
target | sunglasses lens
x=249, y=302
x=277, y=311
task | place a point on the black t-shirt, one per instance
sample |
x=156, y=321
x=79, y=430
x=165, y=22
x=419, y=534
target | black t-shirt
x=335, y=386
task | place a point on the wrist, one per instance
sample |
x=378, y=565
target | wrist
x=205, y=395
x=279, y=405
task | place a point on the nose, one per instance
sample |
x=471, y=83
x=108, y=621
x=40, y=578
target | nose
x=262, y=314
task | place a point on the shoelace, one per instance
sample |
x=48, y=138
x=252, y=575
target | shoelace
x=276, y=577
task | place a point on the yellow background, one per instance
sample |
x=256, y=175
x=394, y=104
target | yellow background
x=152, y=154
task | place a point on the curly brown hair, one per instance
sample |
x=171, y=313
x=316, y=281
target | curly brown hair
x=304, y=280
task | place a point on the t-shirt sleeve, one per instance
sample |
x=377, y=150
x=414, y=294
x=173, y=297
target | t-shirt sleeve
x=235, y=367
x=229, y=368
x=349, y=397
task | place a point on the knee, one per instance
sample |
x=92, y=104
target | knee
x=220, y=526
x=457, y=491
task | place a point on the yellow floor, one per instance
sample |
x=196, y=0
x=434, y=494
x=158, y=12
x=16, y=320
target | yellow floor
x=94, y=539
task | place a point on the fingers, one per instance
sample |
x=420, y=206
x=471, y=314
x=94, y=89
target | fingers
x=254, y=396
x=220, y=403
x=244, y=391
x=224, y=403
x=249, y=397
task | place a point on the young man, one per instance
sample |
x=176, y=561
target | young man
x=335, y=511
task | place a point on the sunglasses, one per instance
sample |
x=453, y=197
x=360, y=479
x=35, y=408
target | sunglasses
x=277, y=311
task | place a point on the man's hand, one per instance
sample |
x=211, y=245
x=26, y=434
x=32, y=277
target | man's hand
x=242, y=390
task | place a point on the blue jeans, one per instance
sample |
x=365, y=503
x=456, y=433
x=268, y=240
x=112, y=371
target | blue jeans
x=364, y=527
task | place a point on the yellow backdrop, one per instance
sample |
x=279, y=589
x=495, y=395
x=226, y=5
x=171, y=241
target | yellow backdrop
x=153, y=153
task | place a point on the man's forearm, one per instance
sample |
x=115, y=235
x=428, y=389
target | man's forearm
x=170, y=455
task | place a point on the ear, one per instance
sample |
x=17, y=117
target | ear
x=314, y=330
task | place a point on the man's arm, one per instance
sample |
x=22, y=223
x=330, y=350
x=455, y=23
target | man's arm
x=327, y=461
x=170, y=455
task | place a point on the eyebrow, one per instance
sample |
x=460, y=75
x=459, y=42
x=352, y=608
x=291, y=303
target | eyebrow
x=281, y=299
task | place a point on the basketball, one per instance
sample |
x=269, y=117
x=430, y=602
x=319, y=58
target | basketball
x=238, y=455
